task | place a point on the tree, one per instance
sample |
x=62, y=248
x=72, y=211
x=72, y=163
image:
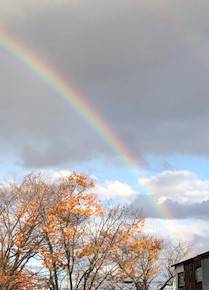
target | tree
x=138, y=260
x=80, y=236
x=172, y=253
x=73, y=238
x=19, y=235
x=66, y=206
x=104, y=239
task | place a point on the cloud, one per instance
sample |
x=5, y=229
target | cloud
x=143, y=64
x=170, y=209
x=173, y=194
x=170, y=195
x=194, y=210
x=192, y=231
x=115, y=189
x=180, y=186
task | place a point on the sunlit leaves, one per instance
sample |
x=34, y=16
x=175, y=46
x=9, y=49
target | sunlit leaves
x=66, y=228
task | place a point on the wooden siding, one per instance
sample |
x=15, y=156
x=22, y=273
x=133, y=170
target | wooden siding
x=205, y=273
x=189, y=275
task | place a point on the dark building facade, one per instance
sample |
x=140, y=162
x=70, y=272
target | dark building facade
x=193, y=274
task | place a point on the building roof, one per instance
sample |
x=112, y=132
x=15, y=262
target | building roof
x=205, y=254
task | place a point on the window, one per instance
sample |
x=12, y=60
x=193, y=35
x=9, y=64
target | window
x=181, y=279
x=198, y=275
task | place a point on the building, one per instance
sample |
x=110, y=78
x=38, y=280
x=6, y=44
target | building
x=193, y=273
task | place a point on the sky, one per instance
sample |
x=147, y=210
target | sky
x=143, y=65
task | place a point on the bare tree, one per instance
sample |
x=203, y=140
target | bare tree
x=171, y=254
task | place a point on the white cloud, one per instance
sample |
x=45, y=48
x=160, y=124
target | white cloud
x=181, y=186
x=55, y=175
x=192, y=231
x=111, y=189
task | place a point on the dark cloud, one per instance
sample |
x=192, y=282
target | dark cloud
x=37, y=124
x=143, y=64
x=175, y=209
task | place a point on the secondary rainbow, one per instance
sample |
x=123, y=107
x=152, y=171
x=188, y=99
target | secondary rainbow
x=84, y=108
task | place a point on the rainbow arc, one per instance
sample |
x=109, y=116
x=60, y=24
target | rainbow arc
x=87, y=111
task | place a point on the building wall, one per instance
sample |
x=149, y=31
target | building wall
x=190, y=268
x=196, y=273
x=179, y=269
x=205, y=273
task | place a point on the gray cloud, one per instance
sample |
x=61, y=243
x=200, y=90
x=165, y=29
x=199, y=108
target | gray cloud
x=180, y=193
x=39, y=126
x=143, y=64
x=175, y=209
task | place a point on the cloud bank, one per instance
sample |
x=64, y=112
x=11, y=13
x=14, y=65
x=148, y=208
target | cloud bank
x=181, y=193
x=143, y=64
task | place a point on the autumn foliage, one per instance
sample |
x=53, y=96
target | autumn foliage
x=56, y=233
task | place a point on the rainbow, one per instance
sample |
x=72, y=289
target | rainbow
x=80, y=105
x=57, y=82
